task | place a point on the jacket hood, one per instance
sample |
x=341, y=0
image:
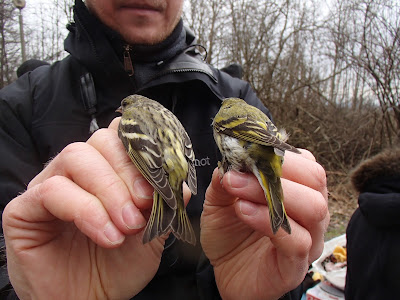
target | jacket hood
x=88, y=43
x=378, y=181
x=384, y=164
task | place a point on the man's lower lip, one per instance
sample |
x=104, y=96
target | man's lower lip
x=140, y=10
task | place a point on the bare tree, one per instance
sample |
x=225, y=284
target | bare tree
x=376, y=55
x=45, y=31
x=9, y=43
x=48, y=32
x=207, y=18
x=267, y=38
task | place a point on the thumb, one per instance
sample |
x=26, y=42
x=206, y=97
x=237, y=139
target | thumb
x=216, y=195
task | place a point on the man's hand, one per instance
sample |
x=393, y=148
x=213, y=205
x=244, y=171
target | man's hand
x=250, y=262
x=76, y=233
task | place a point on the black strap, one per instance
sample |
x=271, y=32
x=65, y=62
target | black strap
x=89, y=99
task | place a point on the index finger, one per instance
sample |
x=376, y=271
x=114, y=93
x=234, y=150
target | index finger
x=90, y=170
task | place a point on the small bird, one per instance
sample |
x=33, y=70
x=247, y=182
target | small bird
x=250, y=142
x=160, y=148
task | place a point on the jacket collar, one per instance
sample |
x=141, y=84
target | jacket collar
x=100, y=49
x=88, y=43
x=92, y=42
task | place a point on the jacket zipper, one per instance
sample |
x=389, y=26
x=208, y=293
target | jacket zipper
x=128, y=61
x=183, y=70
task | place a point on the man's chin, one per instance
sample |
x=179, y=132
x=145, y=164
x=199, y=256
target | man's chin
x=145, y=37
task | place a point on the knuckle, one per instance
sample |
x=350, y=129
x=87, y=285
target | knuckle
x=71, y=150
x=74, y=159
x=100, y=135
x=316, y=251
x=304, y=244
x=8, y=212
x=69, y=157
x=109, y=182
x=320, y=208
x=320, y=177
x=307, y=154
x=49, y=186
x=100, y=132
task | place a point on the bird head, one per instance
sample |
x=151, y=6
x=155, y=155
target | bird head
x=128, y=101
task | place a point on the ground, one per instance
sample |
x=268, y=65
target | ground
x=342, y=202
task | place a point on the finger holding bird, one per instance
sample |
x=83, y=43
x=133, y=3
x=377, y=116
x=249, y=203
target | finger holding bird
x=245, y=186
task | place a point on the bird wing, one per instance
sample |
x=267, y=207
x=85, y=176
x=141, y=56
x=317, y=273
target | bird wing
x=250, y=130
x=146, y=155
x=189, y=153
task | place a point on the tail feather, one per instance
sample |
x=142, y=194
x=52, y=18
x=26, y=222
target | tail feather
x=286, y=225
x=181, y=225
x=272, y=187
x=184, y=230
x=279, y=219
x=160, y=219
x=164, y=219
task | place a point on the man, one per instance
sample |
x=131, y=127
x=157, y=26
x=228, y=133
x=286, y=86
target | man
x=76, y=231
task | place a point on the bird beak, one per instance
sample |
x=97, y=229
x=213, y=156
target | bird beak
x=119, y=109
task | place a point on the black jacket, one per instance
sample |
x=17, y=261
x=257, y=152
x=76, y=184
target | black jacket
x=373, y=233
x=45, y=110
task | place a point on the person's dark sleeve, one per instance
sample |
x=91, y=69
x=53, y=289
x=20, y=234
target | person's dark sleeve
x=19, y=161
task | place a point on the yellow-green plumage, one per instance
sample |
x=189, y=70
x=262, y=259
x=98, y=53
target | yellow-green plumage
x=250, y=142
x=160, y=148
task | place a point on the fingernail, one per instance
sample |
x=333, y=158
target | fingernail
x=132, y=217
x=247, y=208
x=142, y=188
x=113, y=234
x=237, y=180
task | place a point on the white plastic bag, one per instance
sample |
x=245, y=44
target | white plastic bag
x=336, y=277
